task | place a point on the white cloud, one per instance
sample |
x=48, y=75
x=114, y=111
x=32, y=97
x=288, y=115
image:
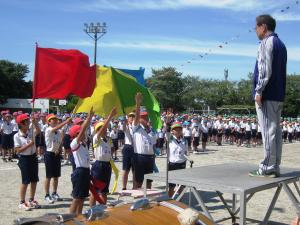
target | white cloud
x=195, y=47
x=286, y=16
x=236, y=5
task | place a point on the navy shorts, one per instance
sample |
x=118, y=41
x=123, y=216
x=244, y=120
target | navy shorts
x=40, y=140
x=176, y=166
x=81, y=183
x=128, y=153
x=121, y=135
x=188, y=140
x=142, y=164
x=52, y=164
x=29, y=167
x=7, y=141
x=115, y=143
x=101, y=171
x=160, y=142
x=204, y=137
x=67, y=141
x=253, y=133
x=248, y=135
x=196, y=141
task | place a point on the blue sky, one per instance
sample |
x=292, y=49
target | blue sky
x=151, y=33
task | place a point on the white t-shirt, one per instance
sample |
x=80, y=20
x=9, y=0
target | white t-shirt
x=142, y=141
x=187, y=132
x=102, y=149
x=196, y=132
x=80, y=153
x=204, y=129
x=248, y=127
x=52, y=139
x=7, y=127
x=113, y=134
x=128, y=135
x=178, y=148
x=21, y=140
x=290, y=129
x=253, y=126
x=15, y=128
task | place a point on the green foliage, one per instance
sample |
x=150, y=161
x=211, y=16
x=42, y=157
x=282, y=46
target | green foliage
x=12, y=83
x=291, y=105
x=182, y=93
x=167, y=85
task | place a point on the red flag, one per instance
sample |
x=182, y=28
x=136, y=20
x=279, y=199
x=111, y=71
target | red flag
x=59, y=73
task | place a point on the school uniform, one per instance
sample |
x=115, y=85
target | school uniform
x=196, y=135
x=121, y=134
x=15, y=127
x=52, y=161
x=253, y=129
x=226, y=130
x=160, y=138
x=232, y=128
x=178, y=150
x=187, y=134
x=1, y=122
x=205, y=131
x=7, y=135
x=128, y=150
x=101, y=168
x=258, y=136
x=143, y=159
x=40, y=138
x=297, y=128
x=219, y=126
x=28, y=162
x=285, y=132
x=290, y=133
x=114, y=137
x=81, y=176
x=248, y=131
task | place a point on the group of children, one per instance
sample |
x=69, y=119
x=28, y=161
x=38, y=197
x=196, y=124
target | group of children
x=35, y=137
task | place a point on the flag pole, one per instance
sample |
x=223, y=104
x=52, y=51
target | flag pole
x=167, y=163
x=33, y=90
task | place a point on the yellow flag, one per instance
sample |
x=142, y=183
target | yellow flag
x=104, y=97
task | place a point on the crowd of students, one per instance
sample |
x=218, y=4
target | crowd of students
x=90, y=144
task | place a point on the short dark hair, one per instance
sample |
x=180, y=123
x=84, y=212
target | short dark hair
x=268, y=20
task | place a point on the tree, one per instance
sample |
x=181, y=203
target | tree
x=291, y=106
x=167, y=86
x=12, y=83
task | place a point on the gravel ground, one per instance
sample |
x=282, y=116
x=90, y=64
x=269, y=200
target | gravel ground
x=283, y=213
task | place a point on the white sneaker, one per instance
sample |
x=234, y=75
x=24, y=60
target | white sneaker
x=25, y=206
x=34, y=204
x=49, y=200
x=56, y=197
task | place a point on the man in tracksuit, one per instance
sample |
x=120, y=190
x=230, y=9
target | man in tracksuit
x=269, y=92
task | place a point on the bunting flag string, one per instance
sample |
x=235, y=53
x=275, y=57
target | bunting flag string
x=223, y=44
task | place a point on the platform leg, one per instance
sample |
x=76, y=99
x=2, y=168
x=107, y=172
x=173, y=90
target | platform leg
x=233, y=207
x=202, y=204
x=272, y=204
x=292, y=197
x=243, y=205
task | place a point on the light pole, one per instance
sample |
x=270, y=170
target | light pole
x=95, y=31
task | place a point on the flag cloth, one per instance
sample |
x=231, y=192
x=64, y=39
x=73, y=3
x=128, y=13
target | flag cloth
x=115, y=88
x=60, y=72
x=138, y=74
